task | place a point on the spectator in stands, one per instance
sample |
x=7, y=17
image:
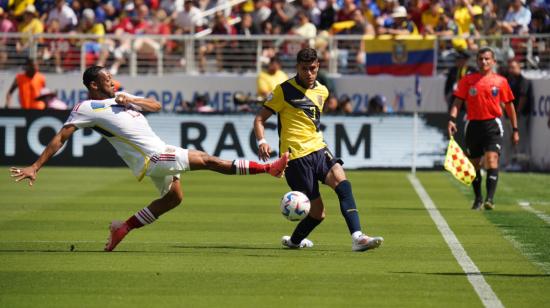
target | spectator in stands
x=523, y=101
x=261, y=14
x=456, y=73
x=64, y=14
x=328, y=15
x=540, y=22
x=488, y=15
x=312, y=11
x=171, y=7
x=385, y=18
x=344, y=105
x=94, y=48
x=18, y=7
x=270, y=78
x=29, y=83
x=137, y=21
x=111, y=16
x=517, y=19
x=464, y=25
x=415, y=8
x=283, y=14
x=401, y=24
x=346, y=12
x=188, y=20
x=54, y=47
x=370, y=10
x=220, y=26
x=30, y=25
x=6, y=43
x=430, y=17
x=150, y=48
x=304, y=28
x=378, y=104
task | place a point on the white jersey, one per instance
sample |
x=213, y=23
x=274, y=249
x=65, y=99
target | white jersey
x=125, y=128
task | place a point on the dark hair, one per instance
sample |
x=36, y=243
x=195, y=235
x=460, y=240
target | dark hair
x=306, y=55
x=484, y=50
x=90, y=74
x=30, y=61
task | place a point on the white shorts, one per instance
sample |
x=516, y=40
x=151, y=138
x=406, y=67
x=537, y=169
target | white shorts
x=163, y=167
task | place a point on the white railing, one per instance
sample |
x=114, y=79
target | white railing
x=156, y=54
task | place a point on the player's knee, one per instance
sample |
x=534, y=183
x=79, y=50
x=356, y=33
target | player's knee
x=174, y=198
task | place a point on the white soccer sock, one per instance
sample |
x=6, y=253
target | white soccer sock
x=242, y=166
x=145, y=216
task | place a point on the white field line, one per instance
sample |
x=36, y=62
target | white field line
x=482, y=288
x=527, y=206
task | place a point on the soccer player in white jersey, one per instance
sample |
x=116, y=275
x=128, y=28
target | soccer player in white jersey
x=117, y=116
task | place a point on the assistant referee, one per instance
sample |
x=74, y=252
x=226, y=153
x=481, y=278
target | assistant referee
x=484, y=92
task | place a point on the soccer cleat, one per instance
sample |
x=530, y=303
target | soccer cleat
x=277, y=168
x=118, y=230
x=477, y=204
x=288, y=243
x=488, y=205
x=365, y=243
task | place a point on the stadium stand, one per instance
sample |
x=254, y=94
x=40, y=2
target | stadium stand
x=207, y=36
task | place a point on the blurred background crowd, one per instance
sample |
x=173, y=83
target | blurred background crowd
x=466, y=21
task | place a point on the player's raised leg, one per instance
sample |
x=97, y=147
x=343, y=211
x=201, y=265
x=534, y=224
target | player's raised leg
x=336, y=179
x=199, y=160
x=148, y=215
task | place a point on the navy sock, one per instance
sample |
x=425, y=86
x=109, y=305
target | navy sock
x=347, y=206
x=476, y=184
x=491, y=183
x=303, y=229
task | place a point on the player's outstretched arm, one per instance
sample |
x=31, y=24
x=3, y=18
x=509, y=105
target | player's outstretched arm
x=453, y=113
x=146, y=104
x=55, y=144
x=259, y=127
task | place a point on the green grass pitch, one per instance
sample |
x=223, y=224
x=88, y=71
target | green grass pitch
x=221, y=247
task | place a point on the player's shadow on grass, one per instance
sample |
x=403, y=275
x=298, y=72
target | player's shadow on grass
x=478, y=274
x=237, y=247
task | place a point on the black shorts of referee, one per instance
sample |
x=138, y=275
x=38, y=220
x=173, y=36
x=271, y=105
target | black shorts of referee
x=483, y=136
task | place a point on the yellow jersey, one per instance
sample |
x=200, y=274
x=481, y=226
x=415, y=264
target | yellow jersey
x=298, y=116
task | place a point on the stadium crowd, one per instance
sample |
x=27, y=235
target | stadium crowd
x=315, y=20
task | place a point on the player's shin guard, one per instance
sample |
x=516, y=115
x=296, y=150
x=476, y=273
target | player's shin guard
x=476, y=185
x=491, y=183
x=347, y=206
x=303, y=229
x=140, y=219
x=245, y=167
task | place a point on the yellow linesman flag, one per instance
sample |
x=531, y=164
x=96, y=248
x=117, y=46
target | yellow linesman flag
x=458, y=164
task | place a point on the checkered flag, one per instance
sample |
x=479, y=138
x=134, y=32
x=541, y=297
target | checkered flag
x=458, y=164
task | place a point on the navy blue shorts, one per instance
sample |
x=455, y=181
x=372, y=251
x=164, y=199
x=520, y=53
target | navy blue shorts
x=304, y=173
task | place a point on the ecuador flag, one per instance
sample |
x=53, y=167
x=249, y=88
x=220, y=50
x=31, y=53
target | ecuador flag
x=458, y=164
x=400, y=55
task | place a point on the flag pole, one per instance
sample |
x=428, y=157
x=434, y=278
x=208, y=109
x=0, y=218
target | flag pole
x=418, y=93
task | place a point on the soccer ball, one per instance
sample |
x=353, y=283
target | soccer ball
x=295, y=206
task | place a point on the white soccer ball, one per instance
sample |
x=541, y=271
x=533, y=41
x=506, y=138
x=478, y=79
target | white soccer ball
x=295, y=206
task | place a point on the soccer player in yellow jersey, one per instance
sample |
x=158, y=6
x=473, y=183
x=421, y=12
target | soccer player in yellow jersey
x=298, y=103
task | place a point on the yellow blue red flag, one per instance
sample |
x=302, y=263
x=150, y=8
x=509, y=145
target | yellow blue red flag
x=400, y=55
x=458, y=164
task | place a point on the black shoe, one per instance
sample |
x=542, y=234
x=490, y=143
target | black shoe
x=477, y=205
x=488, y=205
